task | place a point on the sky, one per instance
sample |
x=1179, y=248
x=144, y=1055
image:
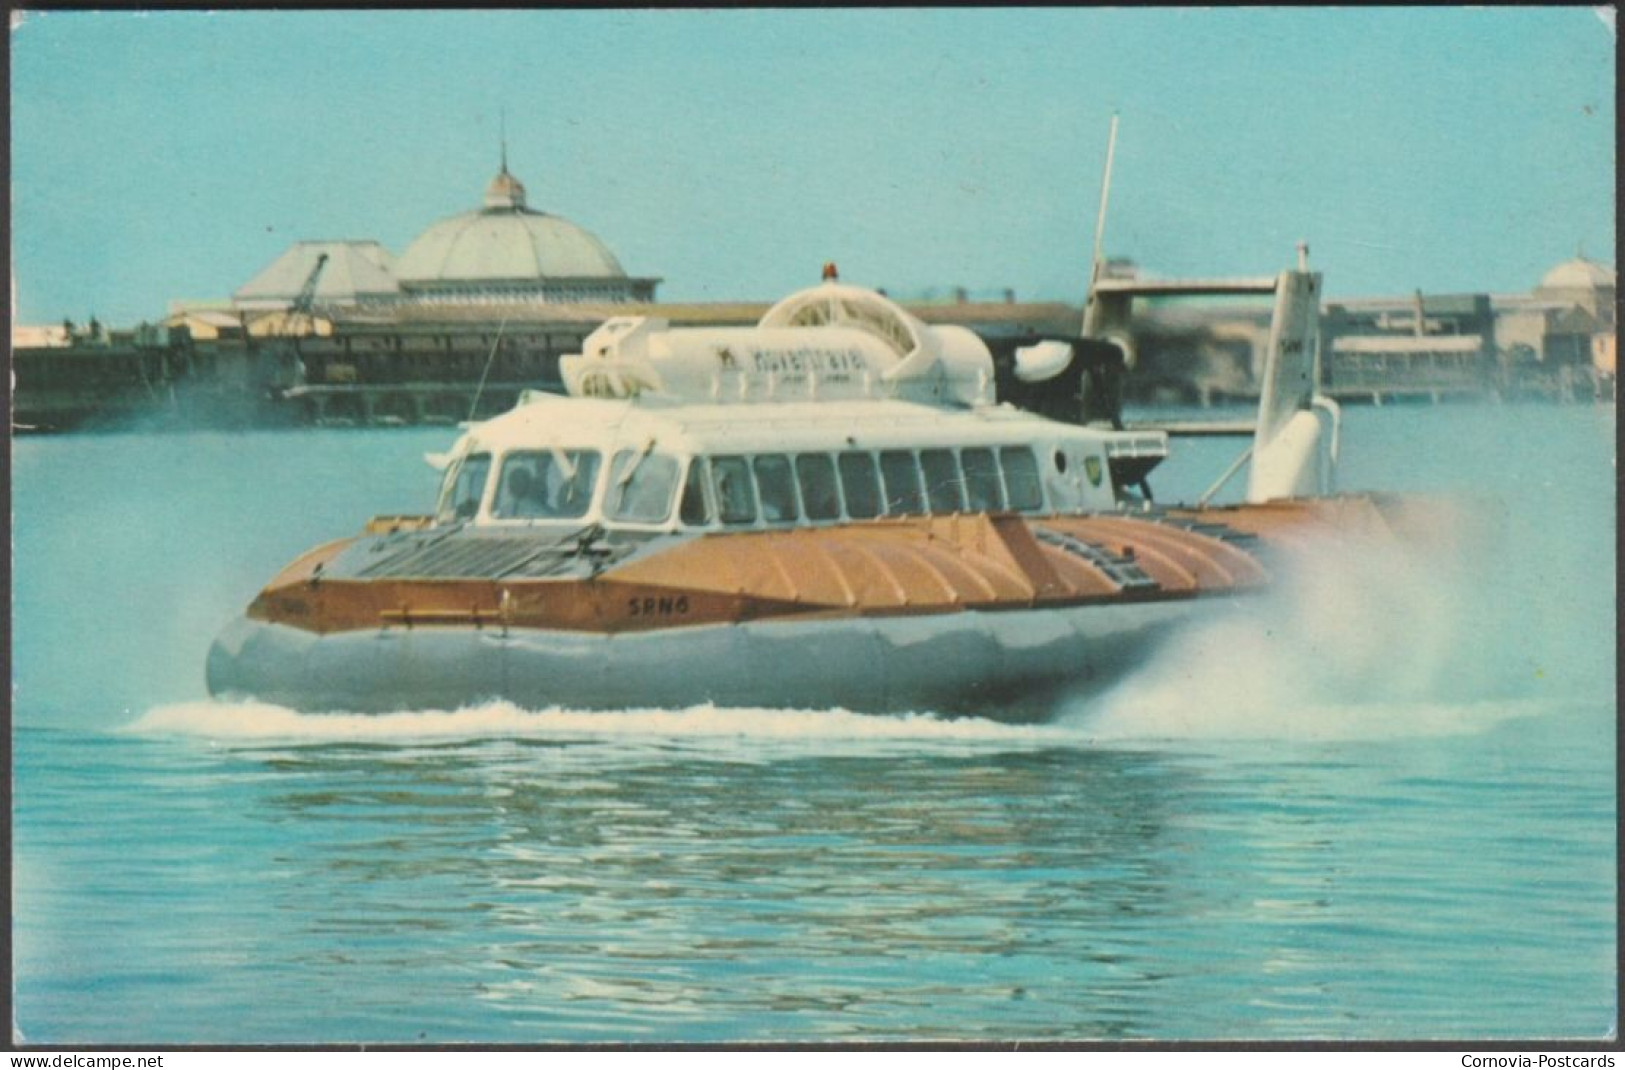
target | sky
x=173, y=155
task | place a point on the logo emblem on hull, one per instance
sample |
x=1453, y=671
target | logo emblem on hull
x=1092, y=468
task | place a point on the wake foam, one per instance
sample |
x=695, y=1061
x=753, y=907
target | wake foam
x=255, y=723
x=1360, y=639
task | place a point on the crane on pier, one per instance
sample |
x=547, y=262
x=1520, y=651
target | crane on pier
x=279, y=365
x=305, y=301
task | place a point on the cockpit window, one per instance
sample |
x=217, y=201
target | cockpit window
x=695, y=511
x=641, y=487
x=735, y=493
x=546, y=484
x=465, y=485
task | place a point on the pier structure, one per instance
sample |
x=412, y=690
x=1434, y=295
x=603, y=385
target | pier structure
x=1556, y=342
x=88, y=376
x=367, y=363
x=429, y=363
x=1429, y=347
x=484, y=303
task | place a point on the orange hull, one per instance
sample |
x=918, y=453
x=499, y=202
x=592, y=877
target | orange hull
x=544, y=621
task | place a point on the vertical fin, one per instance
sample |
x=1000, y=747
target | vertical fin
x=1290, y=438
x=1287, y=383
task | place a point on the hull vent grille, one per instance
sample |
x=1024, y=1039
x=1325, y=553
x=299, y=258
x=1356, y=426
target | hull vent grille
x=1123, y=571
x=479, y=558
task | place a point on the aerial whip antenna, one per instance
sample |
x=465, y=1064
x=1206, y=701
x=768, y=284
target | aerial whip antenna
x=1091, y=307
x=474, y=405
x=1105, y=189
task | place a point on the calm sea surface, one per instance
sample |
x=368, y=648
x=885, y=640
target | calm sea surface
x=1379, y=805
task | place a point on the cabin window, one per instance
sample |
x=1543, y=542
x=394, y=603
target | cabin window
x=778, y=489
x=860, y=486
x=815, y=473
x=982, y=491
x=1021, y=477
x=735, y=493
x=464, y=487
x=641, y=487
x=902, y=476
x=943, y=486
x=546, y=484
x=695, y=511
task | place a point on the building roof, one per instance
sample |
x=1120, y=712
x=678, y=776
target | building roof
x=1433, y=304
x=437, y=316
x=354, y=269
x=51, y=335
x=505, y=191
x=505, y=241
x=1579, y=274
x=1037, y=315
x=1408, y=345
x=211, y=318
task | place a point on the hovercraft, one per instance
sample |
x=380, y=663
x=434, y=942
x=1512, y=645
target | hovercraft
x=831, y=509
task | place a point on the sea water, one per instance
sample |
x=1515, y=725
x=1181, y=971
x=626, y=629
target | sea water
x=1378, y=804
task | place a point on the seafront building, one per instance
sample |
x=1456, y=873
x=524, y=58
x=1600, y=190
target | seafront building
x=1557, y=342
x=503, y=252
x=483, y=303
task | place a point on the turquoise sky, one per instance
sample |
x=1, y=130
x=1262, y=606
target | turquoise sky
x=174, y=155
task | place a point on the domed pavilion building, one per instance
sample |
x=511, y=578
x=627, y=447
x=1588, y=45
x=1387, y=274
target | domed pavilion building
x=1567, y=326
x=504, y=251
x=507, y=251
x=1580, y=283
x=480, y=306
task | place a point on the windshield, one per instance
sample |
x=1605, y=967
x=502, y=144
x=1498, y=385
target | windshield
x=465, y=485
x=546, y=485
x=641, y=487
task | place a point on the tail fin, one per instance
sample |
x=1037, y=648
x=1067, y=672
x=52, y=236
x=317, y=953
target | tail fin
x=1293, y=447
x=1295, y=443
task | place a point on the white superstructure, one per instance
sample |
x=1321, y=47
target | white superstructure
x=649, y=464
x=830, y=342
x=840, y=406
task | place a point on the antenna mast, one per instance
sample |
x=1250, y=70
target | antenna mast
x=1091, y=308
